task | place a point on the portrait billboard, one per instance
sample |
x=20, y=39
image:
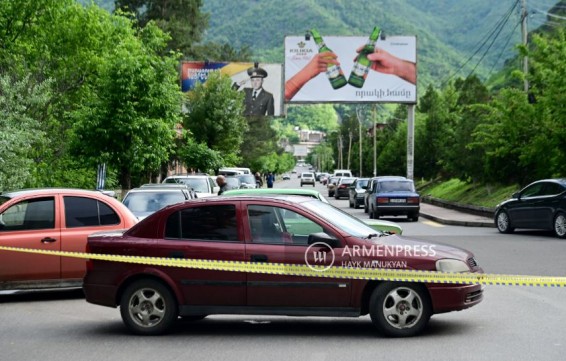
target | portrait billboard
x=319, y=69
x=261, y=83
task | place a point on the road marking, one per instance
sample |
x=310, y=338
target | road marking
x=433, y=224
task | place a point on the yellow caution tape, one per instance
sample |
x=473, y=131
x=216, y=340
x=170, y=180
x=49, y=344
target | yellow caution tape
x=318, y=271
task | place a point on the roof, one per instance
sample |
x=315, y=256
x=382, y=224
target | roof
x=49, y=191
x=274, y=191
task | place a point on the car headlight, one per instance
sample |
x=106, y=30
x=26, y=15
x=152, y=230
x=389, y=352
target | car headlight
x=452, y=266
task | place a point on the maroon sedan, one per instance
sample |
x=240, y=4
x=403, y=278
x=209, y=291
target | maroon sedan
x=283, y=230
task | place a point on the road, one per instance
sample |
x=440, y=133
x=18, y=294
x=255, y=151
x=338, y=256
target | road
x=512, y=323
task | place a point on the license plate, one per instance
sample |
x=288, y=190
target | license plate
x=397, y=200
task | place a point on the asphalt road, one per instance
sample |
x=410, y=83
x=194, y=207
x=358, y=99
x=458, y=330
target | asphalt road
x=512, y=323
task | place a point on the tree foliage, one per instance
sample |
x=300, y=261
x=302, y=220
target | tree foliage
x=215, y=117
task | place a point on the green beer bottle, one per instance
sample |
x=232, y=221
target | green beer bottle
x=334, y=72
x=361, y=66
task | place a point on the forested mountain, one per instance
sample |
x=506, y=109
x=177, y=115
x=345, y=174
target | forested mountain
x=448, y=31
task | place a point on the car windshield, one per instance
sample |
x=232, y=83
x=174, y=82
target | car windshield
x=143, y=204
x=200, y=185
x=247, y=178
x=341, y=219
x=397, y=185
x=362, y=183
x=233, y=183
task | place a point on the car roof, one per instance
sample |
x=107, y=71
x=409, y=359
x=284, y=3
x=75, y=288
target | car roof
x=273, y=191
x=50, y=191
x=189, y=176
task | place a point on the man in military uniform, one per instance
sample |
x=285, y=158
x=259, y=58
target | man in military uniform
x=258, y=101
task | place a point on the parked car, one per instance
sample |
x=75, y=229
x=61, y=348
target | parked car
x=356, y=192
x=342, y=187
x=150, y=198
x=262, y=229
x=331, y=185
x=307, y=178
x=540, y=205
x=233, y=182
x=377, y=224
x=393, y=196
x=247, y=181
x=342, y=173
x=202, y=183
x=52, y=219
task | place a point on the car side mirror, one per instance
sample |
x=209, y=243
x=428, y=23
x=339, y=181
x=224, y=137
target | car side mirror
x=324, y=238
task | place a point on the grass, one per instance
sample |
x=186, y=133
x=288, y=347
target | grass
x=455, y=190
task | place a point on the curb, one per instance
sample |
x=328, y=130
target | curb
x=452, y=222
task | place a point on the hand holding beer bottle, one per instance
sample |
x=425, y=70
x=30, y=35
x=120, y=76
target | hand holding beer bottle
x=362, y=63
x=318, y=64
x=384, y=62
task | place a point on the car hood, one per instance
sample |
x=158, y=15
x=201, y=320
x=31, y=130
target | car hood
x=441, y=251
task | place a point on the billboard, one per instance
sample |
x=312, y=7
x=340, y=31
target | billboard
x=266, y=79
x=390, y=77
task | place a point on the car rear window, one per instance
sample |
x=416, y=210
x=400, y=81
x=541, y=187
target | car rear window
x=396, y=185
x=85, y=212
x=206, y=223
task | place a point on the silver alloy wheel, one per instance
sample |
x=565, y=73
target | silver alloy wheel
x=560, y=225
x=147, y=307
x=503, y=221
x=403, y=308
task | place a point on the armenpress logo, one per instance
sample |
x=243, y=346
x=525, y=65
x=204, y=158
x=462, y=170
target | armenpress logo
x=321, y=254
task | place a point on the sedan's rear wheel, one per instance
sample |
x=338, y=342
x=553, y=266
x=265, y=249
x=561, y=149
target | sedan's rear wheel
x=503, y=222
x=560, y=225
x=400, y=309
x=148, y=307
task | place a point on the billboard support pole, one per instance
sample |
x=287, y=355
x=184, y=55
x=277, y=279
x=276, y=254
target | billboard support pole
x=410, y=141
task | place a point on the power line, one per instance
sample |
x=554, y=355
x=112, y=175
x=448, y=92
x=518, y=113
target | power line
x=490, y=45
x=497, y=28
x=550, y=14
x=503, y=48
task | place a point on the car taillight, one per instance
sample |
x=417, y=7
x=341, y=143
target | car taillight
x=342, y=186
x=413, y=200
x=382, y=200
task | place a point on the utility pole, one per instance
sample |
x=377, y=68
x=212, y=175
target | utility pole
x=374, y=142
x=524, y=33
x=360, y=127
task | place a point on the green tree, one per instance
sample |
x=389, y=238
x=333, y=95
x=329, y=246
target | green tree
x=128, y=121
x=215, y=117
x=182, y=19
x=21, y=106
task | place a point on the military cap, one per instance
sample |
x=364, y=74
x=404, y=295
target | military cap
x=254, y=72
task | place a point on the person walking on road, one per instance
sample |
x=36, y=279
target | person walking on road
x=270, y=180
x=221, y=181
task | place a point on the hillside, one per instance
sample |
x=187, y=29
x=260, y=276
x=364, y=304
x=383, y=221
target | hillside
x=448, y=31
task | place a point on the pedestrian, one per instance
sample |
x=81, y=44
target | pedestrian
x=270, y=179
x=221, y=181
x=258, y=180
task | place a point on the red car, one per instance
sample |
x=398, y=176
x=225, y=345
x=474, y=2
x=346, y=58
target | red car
x=57, y=220
x=287, y=230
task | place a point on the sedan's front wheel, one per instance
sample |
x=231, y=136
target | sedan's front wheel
x=560, y=225
x=148, y=307
x=400, y=309
x=503, y=222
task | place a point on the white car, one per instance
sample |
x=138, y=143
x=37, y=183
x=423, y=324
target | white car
x=307, y=178
x=202, y=184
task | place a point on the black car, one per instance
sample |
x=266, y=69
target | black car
x=343, y=187
x=540, y=205
x=356, y=192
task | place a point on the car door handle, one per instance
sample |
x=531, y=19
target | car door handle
x=48, y=240
x=259, y=258
x=176, y=254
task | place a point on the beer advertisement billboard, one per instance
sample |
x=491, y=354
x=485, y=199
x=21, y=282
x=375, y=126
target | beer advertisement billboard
x=261, y=83
x=350, y=69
